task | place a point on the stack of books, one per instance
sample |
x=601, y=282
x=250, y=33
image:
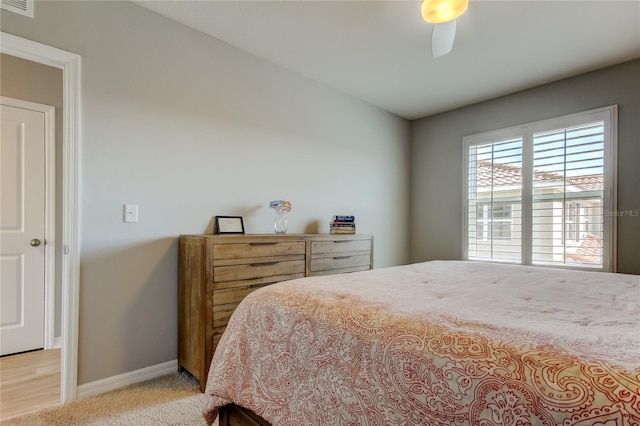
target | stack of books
x=342, y=225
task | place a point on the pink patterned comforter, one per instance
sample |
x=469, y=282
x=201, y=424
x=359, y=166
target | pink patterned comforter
x=436, y=343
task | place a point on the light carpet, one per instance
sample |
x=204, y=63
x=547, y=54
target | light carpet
x=173, y=399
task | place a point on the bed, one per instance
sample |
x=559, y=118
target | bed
x=434, y=343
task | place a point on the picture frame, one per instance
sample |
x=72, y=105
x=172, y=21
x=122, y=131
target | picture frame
x=229, y=225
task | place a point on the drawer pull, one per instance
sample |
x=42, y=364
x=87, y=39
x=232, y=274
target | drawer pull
x=264, y=244
x=260, y=285
x=342, y=257
x=341, y=241
x=263, y=263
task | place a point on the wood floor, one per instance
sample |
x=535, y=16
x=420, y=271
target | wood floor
x=29, y=382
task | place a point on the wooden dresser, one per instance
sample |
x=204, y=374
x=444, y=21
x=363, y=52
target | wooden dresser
x=217, y=271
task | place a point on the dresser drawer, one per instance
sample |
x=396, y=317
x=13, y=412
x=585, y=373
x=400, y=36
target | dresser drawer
x=260, y=268
x=257, y=249
x=232, y=295
x=216, y=340
x=331, y=263
x=226, y=299
x=339, y=246
x=221, y=315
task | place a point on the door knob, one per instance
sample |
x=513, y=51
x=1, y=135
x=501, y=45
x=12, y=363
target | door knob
x=35, y=242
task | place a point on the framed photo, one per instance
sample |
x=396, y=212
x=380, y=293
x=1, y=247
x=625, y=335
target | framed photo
x=229, y=225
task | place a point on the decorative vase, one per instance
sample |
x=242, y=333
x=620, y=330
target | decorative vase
x=280, y=222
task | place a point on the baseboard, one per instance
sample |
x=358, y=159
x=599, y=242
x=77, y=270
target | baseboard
x=125, y=379
x=57, y=342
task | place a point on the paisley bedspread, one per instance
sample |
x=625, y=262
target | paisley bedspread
x=436, y=343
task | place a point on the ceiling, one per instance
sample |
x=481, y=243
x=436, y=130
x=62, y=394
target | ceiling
x=380, y=51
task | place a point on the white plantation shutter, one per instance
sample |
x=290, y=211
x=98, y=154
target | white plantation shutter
x=543, y=193
x=495, y=200
x=568, y=196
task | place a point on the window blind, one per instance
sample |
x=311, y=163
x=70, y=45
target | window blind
x=567, y=203
x=543, y=193
x=495, y=200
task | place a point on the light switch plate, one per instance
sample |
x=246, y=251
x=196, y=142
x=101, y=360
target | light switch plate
x=131, y=213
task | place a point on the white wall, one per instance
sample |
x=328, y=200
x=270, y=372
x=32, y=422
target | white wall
x=188, y=127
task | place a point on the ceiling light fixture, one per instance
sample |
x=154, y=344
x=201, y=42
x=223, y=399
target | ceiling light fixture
x=443, y=14
x=441, y=11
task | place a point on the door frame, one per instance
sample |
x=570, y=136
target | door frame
x=49, y=212
x=70, y=63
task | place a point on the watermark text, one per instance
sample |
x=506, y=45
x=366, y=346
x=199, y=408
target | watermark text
x=622, y=213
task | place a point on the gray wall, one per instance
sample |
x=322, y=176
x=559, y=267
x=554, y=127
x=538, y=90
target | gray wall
x=436, y=156
x=30, y=81
x=188, y=127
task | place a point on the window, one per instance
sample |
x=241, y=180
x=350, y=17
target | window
x=494, y=221
x=572, y=222
x=537, y=194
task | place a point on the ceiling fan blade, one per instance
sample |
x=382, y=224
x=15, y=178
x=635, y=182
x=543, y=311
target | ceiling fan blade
x=442, y=38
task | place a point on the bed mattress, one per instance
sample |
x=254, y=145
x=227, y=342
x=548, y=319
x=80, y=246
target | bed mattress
x=436, y=343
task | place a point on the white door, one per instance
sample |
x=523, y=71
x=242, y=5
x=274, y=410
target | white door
x=22, y=229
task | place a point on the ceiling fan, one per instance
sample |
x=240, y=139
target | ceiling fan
x=443, y=13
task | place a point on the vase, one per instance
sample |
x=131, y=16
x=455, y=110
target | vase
x=280, y=222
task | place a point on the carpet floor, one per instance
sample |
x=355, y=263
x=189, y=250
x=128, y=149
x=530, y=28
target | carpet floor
x=173, y=399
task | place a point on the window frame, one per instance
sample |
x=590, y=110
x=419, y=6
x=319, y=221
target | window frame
x=487, y=220
x=609, y=116
x=572, y=228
